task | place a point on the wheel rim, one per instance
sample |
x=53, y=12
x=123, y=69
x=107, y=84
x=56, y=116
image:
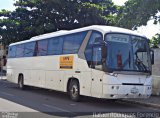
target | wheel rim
x=74, y=91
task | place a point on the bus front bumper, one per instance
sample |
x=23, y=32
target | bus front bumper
x=126, y=91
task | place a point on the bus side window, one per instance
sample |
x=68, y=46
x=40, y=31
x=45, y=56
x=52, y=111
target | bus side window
x=20, y=50
x=42, y=47
x=29, y=49
x=89, y=48
x=73, y=42
x=12, y=52
x=55, y=46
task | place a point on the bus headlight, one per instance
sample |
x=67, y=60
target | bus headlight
x=115, y=87
x=112, y=87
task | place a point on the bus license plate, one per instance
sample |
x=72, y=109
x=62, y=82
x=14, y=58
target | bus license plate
x=134, y=90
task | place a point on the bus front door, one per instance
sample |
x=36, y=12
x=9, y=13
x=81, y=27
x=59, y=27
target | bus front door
x=97, y=73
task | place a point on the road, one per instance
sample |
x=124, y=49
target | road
x=46, y=103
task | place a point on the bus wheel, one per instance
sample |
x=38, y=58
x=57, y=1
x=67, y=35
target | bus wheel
x=20, y=82
x=74, y=90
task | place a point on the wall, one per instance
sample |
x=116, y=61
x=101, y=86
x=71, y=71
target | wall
x=156, y=72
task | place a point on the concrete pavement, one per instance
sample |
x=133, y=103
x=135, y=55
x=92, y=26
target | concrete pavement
x=153, y=101
x=9, y=106
x=9, y=109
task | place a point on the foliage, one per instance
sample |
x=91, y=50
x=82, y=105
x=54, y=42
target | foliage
x=155, y=41
x=35, y=17
x=137, y=12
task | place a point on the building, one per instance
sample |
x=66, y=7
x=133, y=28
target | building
x=156, y=72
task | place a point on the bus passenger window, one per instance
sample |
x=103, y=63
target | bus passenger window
x=55, y=46
x=12, y=52
x=20, y=50
x=42, y=47
x=29, y=49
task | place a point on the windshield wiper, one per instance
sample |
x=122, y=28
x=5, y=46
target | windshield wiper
x=140, y=65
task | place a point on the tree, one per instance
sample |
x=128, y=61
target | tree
x=137, y=12
x=93, y=14
x=35, y=17
x=155, y=41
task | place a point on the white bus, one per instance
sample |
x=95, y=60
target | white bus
x=97, y=61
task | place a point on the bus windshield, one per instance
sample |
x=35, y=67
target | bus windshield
x=127, y=53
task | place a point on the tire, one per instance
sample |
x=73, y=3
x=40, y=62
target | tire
x=74, y=91
x=21, y=82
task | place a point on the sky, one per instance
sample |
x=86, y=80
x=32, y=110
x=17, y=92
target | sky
x=149, y=30
x=7, y=4
x=119, y=2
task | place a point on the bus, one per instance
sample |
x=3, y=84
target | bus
x=97, y=61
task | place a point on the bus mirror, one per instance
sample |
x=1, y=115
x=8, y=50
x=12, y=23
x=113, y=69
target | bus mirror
x=98, y=41
x=152, y=56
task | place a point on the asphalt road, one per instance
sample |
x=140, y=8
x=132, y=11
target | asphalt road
x=46, y=103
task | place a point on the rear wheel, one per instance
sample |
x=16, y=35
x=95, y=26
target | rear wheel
x=21, y=82
x=74, y=90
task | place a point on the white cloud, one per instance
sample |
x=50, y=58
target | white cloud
x=150, y=29
x=7, y=4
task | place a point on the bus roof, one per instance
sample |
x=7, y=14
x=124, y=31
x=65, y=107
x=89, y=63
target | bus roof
x=101, y=28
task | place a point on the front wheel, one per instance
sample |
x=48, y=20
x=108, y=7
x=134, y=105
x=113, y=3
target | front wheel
x=20, y=82
x=74, y=90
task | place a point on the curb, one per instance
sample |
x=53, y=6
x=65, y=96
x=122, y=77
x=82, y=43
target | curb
x=141, y=103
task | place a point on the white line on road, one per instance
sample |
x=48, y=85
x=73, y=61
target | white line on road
x=10, y=106
x=57, y=108
x=72, y=104
x=7, y=94
x=152, y=108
